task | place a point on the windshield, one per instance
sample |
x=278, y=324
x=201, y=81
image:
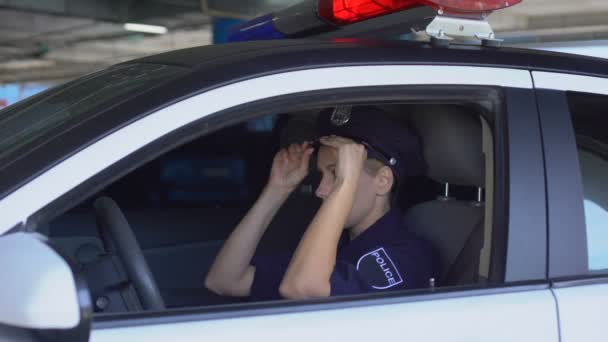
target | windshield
x=31, y=122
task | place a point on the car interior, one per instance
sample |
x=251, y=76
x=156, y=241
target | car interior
x=167, y=219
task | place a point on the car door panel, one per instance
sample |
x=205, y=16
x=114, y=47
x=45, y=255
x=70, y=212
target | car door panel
x=582, y=312
x=523, y=316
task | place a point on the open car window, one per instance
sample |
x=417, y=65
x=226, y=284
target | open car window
x=183, y=205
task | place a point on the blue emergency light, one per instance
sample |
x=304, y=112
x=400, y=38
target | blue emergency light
x=260, y=28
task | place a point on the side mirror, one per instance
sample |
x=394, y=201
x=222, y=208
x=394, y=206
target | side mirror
x=40, y=291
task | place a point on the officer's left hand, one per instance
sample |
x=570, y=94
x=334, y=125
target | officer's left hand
x=351, y=157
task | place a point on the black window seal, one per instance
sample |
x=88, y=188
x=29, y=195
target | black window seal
x=488, y=98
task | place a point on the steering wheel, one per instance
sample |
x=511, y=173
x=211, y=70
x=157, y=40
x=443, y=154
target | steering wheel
x=115, y=229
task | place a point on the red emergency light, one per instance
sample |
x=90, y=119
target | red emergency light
x=342, y=12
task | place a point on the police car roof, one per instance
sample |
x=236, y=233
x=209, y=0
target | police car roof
x=340, y=51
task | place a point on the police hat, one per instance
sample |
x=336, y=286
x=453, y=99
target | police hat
x=385, y=139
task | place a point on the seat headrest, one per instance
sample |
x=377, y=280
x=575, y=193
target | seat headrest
x=451, y=143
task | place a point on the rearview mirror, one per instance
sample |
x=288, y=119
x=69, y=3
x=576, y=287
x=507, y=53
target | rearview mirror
x=39, y=289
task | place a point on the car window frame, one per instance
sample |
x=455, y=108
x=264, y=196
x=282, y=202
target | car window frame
x=347, y=97
x=514, y=155
x=376, y=95
x=369, y=95
x=568, y=254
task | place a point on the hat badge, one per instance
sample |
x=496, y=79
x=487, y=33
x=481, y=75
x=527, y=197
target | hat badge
x=341, y=115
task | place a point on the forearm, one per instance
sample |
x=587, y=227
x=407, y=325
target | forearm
x=311, y=266
x=234, y=258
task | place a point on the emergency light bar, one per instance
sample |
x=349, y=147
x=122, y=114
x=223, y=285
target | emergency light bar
x=461, y=18
x=342, y=12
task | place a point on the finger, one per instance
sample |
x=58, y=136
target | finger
x=329, y=138
x=344, y=140
x=363, y=152
x=289, y=156
x=279, y=155
x=337, y=139
x=305, y=161
x=332, y=142
x=298, y=150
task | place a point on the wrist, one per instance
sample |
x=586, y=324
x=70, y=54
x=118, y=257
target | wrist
x=348, y=180
x=277, y=191
x=345, y=183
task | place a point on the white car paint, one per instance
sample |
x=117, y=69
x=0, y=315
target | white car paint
x=38, y=288
x=568, y=82
x=591, y=48
x=582, y=313
x=39, y=192
x=513, y=317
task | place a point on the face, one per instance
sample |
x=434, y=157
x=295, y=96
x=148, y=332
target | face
x=365, y=195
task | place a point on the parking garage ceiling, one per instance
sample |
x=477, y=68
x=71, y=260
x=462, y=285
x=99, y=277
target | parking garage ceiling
x=61, y=39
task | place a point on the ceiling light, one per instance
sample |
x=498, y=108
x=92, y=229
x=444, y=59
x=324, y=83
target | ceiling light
x=155, y=29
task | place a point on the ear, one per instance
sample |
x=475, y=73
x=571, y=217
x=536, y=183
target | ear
x=384, y=181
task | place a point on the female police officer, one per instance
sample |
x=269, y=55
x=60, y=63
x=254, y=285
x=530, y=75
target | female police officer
x=362, y=157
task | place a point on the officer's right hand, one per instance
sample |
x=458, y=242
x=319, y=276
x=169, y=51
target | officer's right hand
x=290, y=167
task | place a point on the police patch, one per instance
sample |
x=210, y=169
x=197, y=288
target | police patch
x=377, y=268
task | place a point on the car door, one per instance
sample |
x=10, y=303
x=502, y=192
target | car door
x=520, y=307
x=573, y=118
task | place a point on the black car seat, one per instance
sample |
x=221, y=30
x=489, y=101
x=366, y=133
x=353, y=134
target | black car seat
x=452, y=148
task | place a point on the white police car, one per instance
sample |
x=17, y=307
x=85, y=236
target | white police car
x=515, y=197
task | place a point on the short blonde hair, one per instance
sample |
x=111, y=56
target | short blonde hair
x=372, y=166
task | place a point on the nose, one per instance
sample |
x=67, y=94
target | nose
x=324, y=187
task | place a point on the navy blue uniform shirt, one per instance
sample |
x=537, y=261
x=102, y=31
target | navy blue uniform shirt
x=384, y=257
